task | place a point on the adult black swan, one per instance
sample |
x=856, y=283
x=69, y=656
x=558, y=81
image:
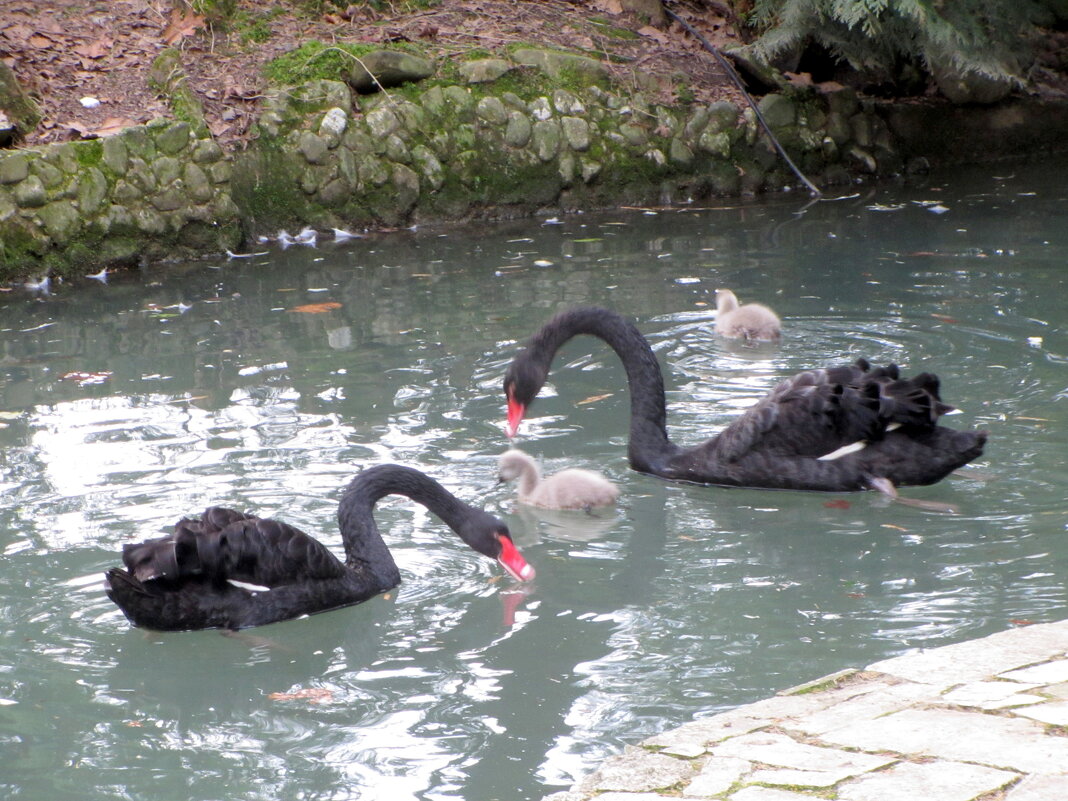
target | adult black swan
x=231, y=570
x=838, y=429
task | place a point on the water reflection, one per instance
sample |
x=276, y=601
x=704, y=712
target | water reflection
x=265, y=383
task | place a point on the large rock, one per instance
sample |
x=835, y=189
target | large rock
x=383, y=69
x=970, y=87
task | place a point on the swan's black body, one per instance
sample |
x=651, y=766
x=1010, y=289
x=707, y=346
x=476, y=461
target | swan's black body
x=779, y=441
x=232, y=570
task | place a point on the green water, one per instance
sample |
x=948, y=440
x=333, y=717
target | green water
x=207, y=387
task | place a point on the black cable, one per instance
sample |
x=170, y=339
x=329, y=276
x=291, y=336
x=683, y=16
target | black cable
x=733, y=75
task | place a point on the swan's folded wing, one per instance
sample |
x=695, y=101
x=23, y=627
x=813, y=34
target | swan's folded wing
x=809, y=415
x=266, y=553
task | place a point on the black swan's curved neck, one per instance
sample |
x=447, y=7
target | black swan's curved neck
x=649, y=446
x=364, y=547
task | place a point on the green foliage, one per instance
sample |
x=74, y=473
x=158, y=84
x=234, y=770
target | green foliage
x=988, y=37
x=315, y=60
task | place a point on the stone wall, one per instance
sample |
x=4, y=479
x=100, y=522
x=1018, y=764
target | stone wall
x=538, y=131
x=148, y=193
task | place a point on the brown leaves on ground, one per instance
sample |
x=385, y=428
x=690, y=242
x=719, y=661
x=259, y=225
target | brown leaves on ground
x=64, y=50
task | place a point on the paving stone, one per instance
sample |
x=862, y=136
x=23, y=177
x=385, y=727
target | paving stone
x=796, y=778
x=769, y=712
x=867, y=702
x=999, y=741
x=764, y=794
x=1047, y=673
x=781, y=751
x=1040, y=787
x=1055, y=713
x=992, y=694
x=638, y=771
x=717, y=776
x=632, y=797
x=1058, y=690
x=979, y=659
x=944, y=781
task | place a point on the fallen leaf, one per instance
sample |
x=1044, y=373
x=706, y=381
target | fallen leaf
x=1022, y=622
x=182, y=25
x=98, y=49
x=607, y=6
x=313, y=695
x=316, y=308
x=594, y=398
x=799, y=79
x=839, y=504
x=654, y=33
x=113, y=125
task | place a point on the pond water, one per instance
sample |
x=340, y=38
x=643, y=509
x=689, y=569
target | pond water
x=128, y=404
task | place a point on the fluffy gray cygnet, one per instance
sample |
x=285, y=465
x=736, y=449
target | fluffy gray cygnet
x=751, y=321
x=572, y=488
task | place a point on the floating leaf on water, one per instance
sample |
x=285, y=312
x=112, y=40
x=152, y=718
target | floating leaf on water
x=313, y=695
x=856, y=595
x=895, y=528
x=594, y=398
x=84, y=378
x=1019, y=621
x=839, y=504
x=945, y=318
x=589, y=239
x=317, y=308
x=1033, y=419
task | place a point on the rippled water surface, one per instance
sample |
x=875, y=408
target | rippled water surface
x=127, y=405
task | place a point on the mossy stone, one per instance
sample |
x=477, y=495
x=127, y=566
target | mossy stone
x=92, y=190
x=397, y=150
x=206, y=152
x=518, y=131
x=576, y=133
x=50, y=175
x=460, y=102
x=169, y=199
x=196, y=182
x=382, y=122
x=166, y=169
x=566, y=103
x=30, y=193
x=14, y=167
x=61, y=220
x=429, y=165
x=545, y=139
x=383, y=69
x=485, y=70
x=492, y=110
x=173, y=139
x=313, y=147
x=778, y=110
x=680, y=152
x=148, y=221
x=563, y=66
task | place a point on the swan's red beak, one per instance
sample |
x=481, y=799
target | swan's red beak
x=515, y=416
x=513, y=561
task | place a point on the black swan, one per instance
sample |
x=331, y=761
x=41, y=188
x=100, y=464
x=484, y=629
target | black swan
x=753, y=321
x=572, y=488
x=231, y=570
x=836, y=429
